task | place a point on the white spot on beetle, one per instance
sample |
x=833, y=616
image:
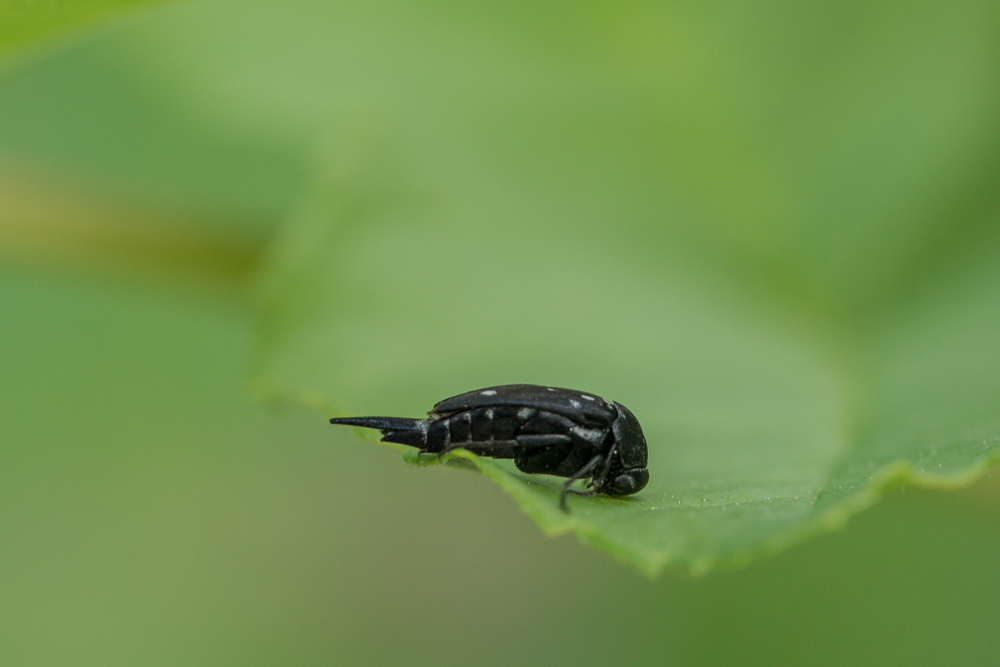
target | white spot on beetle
x=489, y=413
x=549, y=389
x=586, y=398
x=524, y=413
x=575, y=404
x=489, y=392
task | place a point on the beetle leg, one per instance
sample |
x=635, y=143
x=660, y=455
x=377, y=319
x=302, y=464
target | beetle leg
x=607, y=467
x=579, y=474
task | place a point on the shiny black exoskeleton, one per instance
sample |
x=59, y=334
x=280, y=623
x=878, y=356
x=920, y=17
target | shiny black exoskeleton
x=546, y=430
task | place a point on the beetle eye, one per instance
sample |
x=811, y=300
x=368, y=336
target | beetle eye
x=625, y=484
x=628, y=483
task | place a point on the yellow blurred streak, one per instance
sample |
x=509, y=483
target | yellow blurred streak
x=51, y=222
x=27, y=22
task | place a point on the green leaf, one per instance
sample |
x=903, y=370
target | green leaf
x=757, y=306
x=760, y=430
x=933, y=401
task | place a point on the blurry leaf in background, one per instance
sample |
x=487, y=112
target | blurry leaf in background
x=27, y=22
x=71, y=225
x=100, y=162
x=827, y=150
x=768, y=229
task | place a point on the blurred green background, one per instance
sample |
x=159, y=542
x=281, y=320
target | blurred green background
x=770, y=228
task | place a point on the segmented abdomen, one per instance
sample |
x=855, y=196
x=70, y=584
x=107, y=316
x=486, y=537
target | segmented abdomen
x=493, y=431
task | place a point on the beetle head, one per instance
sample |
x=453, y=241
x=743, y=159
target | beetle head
x=628, y=473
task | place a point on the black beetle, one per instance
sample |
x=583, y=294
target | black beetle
x=546, y=430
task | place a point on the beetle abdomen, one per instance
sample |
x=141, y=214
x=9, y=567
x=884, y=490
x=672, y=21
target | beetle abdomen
x=539, y=441
x=494, y=429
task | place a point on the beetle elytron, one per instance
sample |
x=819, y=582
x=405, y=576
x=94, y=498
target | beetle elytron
x=545, y=430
